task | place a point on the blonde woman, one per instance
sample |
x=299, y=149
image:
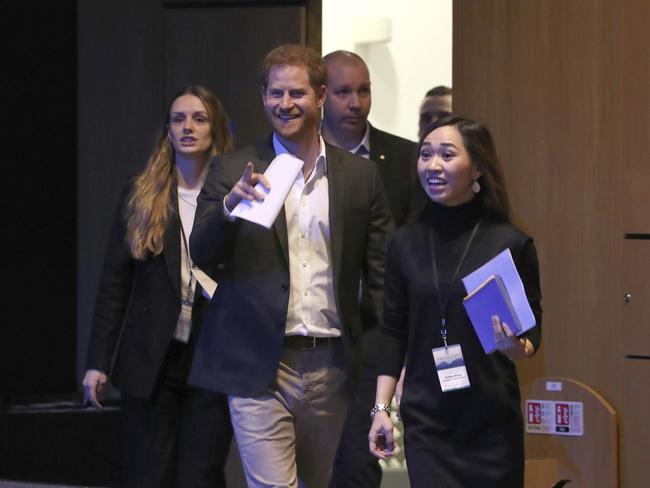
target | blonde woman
x=150, y=305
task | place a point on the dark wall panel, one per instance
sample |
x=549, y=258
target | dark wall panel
x=120, y=107
x=38, y=154
x=223, y=48
x=133, y=56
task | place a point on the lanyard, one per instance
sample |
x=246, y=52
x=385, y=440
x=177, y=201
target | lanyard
x=189, y=300
x=443, y=298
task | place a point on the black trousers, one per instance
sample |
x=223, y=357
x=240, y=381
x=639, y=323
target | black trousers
x=354, y=466
x=180, y=437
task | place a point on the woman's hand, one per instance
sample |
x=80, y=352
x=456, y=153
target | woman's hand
x=93, y=384
x=380, y=437
x=508, y=343
x=245, y=188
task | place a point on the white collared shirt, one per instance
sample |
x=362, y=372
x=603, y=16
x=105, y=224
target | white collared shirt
x=364, y=145
x=312, y=305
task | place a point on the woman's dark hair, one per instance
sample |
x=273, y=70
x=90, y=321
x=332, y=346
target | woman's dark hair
x=479, y=145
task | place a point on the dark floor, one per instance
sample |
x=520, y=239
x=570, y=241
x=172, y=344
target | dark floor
x=59, y=441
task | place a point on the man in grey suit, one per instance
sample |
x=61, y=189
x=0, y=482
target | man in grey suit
x=345, y=124
x=281, y=335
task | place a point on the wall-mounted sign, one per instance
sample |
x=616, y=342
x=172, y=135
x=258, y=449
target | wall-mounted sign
x=553, y=386
x=555, y=418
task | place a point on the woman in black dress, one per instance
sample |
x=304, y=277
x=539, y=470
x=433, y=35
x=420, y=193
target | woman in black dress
x=150, y=305
x=465, y=432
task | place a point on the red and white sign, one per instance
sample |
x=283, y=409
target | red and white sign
x=556, y=418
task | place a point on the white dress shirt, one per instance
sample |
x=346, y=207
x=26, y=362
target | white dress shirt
x=363, y=148
x=312, y=306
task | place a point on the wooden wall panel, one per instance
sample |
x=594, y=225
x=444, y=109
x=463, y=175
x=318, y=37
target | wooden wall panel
x=633, y=156
x=635, y=434
x=563, y=85
x=526, y=71
x=633, y=97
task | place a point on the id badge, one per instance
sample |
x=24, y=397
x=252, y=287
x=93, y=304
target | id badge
x=450, y=366
x=184, y=324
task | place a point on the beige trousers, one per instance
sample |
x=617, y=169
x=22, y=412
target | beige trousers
x=288, y=435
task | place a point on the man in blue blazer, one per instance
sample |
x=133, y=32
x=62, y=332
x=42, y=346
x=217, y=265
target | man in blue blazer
x=281, y=336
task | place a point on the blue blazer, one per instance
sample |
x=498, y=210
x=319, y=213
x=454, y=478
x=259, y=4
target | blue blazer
x=241, y=343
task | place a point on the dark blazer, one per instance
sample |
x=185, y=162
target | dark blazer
x=137, y=308
x=472, y=436
x=396, y=158
x=242, y=339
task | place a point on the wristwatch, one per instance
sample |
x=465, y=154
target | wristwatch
x=378, y=408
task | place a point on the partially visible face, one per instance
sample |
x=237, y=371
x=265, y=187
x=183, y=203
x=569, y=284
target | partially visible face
x=444, y=167
x=189, y=127
x=431, y=109
x=291, y=104
x=349, y=98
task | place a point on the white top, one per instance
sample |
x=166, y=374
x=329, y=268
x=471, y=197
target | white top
x=186, y=211
x=312, y=306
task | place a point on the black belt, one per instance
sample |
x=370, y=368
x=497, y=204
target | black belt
x=300, y=342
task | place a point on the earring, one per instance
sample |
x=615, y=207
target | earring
x=476, y=186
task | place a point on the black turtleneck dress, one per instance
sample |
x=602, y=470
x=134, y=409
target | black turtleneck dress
x=471, y=437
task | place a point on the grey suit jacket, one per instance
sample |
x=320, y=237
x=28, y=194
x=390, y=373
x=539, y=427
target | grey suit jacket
x=241, y=342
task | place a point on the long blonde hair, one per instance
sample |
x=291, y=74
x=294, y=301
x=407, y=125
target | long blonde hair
x=149, y=207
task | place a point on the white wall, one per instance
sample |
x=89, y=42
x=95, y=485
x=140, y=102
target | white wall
x=416, y=58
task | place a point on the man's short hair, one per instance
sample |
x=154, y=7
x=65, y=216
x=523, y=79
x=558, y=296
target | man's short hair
x=296, y=55
x=438, y=91
x=346, y=56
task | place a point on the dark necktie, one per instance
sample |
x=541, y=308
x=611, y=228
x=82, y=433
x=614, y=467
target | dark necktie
x=362, y=151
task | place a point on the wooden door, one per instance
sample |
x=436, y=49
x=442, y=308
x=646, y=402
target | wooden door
x=564, y=87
